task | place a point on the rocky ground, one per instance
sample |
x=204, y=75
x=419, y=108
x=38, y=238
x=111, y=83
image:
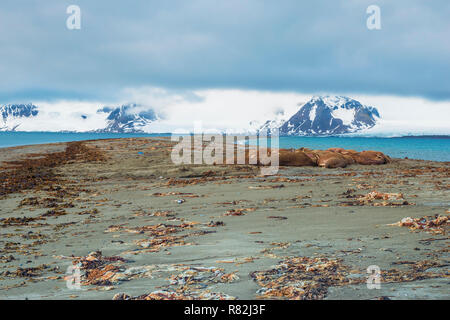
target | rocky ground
x=136, y=226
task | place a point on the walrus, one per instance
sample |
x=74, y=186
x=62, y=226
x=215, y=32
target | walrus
x=295, y=158
x=329, y=159
x=370, y=157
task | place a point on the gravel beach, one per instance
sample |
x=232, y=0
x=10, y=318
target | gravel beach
x=135, y=226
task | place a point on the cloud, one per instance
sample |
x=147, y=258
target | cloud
x=232, y=110
x=216, y=109
x=311, y=47
x=409, y=115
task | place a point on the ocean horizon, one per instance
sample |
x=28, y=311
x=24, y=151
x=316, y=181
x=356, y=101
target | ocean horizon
x=434, y=148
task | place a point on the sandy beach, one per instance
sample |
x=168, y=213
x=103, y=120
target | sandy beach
x=138, y=226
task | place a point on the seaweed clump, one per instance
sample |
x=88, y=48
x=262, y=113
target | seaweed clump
x=37, y=170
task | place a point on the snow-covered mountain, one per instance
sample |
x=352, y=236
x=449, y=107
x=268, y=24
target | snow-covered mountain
x=80, y=118
x=12, y=114
x=330, y=115
x=268, y=126
x=127, y=119
x=322, y=115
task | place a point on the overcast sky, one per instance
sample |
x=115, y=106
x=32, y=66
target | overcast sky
x=279, y=46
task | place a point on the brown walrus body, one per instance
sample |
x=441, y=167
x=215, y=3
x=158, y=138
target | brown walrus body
x=371, y=157
x=329, y=159
x=295, y=158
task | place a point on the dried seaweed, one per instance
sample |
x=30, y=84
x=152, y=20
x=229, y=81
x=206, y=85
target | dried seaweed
x=302, y=278
x=436, y=224
x=177, y=295
x=37, y=170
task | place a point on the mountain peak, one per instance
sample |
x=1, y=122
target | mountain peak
x=127, y=118
x=11, y=114
x=331, y=101
x=329, y=115
x=124, y=118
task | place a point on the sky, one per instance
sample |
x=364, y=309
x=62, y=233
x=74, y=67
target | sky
x=183, y=52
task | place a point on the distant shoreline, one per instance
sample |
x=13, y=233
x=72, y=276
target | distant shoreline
x=299, y=136
x=428, y=137
x=425, y=147
x=434, y=148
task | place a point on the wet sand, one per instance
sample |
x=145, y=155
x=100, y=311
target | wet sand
x=221, y=231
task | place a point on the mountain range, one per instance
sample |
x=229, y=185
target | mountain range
x=129, y=118
x=320, y=116
x=11, y=115
x=124, y=120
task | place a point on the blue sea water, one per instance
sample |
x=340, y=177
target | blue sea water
x=12, y=139
x=425, y=148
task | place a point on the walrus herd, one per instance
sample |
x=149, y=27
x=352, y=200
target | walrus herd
x=331, y=158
